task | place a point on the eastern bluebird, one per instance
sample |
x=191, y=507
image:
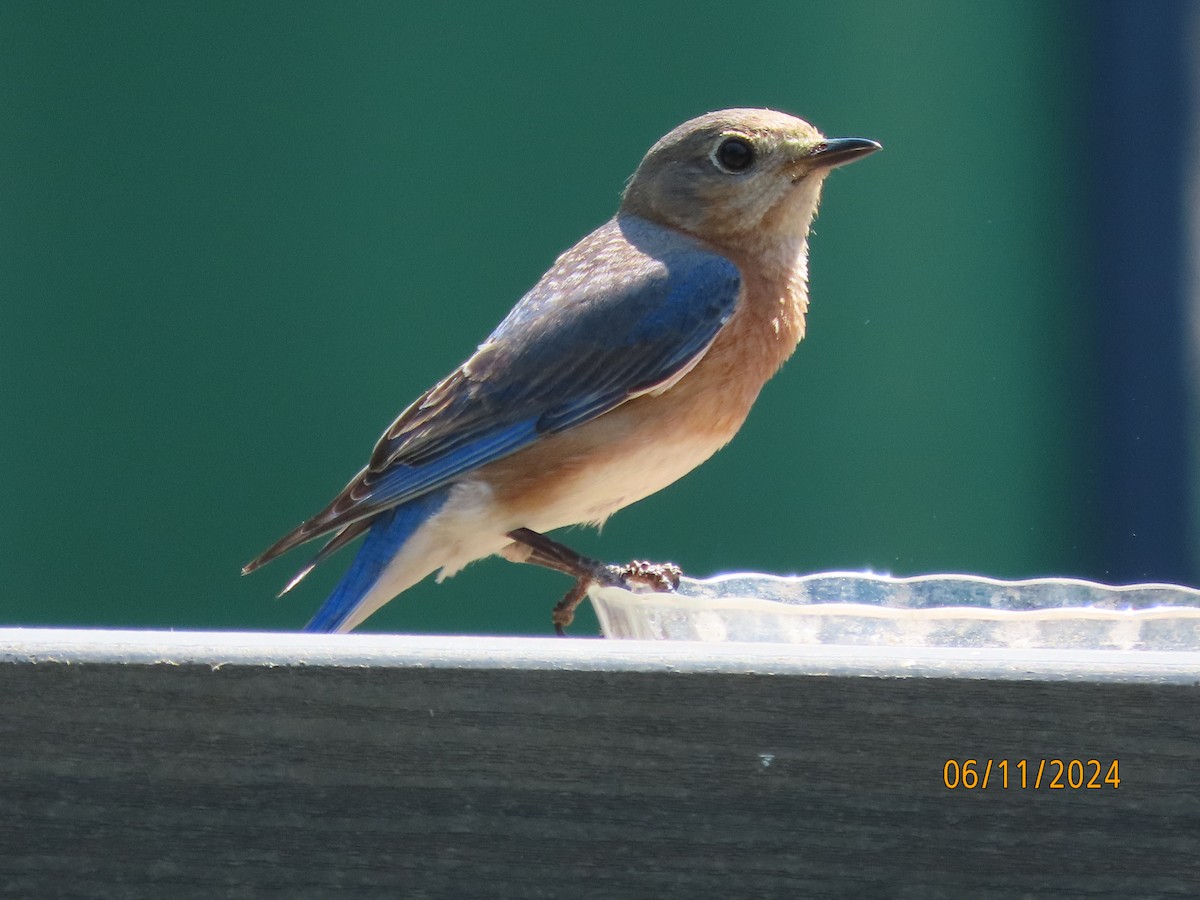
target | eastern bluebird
x=635, y=358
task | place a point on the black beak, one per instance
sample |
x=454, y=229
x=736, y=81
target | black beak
x=834, y=152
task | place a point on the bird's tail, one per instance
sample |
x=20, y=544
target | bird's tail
x=389, y=532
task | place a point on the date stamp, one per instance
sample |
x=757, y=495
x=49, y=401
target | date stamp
x=1031, y=774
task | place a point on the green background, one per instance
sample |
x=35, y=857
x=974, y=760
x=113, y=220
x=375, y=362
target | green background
x=236, y=239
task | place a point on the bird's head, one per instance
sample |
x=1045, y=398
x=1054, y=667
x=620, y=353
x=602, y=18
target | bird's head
x=734, y=172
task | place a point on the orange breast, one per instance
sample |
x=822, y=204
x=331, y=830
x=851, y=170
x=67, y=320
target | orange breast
x=590, y=471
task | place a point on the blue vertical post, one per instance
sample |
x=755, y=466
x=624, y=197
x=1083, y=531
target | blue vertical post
x=1140, y=131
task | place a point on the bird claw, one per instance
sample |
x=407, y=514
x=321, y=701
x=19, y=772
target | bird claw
x=564, y=611
x=658, y=577
x=531, y=547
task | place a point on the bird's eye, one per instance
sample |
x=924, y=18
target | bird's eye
x=734, y=154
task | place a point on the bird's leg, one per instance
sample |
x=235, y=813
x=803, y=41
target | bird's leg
x=543, y=551
x=563, y=613
x=540, y=550
x=550, y=554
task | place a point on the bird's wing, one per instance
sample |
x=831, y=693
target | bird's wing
x=620, y=314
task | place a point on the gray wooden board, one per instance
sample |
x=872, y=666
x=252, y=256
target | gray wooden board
x=446, y=775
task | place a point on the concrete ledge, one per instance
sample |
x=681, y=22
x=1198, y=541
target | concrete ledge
x=141, y=764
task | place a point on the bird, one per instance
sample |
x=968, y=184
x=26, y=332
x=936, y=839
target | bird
x=633, y=359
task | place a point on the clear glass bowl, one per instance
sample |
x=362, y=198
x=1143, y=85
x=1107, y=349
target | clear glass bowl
x=924, y=611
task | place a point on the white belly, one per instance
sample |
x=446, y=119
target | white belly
x=602, y=488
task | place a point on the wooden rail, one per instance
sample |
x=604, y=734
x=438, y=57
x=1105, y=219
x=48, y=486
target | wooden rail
x=164, y=765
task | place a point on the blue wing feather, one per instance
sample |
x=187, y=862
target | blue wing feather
x=388, y=534
x=624, y=310
x=402, y=481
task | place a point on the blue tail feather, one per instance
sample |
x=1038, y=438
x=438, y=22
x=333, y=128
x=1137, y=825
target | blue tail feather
x=388, y=533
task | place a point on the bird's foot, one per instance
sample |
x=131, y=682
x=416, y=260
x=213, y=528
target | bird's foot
x=564, y=611
x=659, y=577
x=532, y=547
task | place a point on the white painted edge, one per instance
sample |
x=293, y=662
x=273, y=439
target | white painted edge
x=216, y=649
